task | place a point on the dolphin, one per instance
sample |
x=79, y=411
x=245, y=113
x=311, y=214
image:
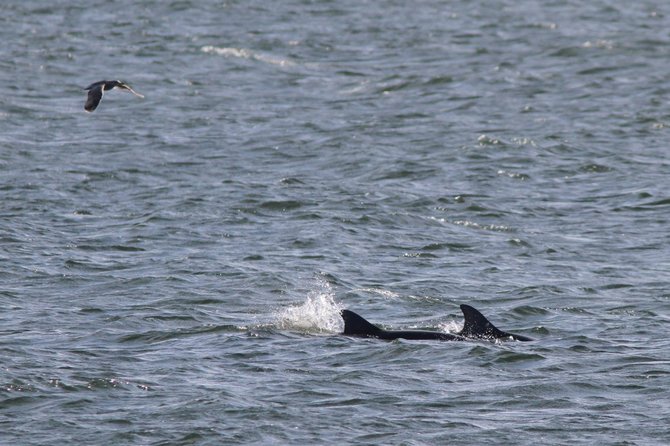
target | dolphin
x=476, y=327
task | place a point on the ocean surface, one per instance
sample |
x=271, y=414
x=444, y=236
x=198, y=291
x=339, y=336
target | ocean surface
x=172, y=268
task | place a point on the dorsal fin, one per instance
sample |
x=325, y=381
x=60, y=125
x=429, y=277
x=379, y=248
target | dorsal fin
x=355, y=325
x=477, y=326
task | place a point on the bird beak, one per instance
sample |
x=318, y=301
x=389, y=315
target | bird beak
x=136, y=93
x=127, y=87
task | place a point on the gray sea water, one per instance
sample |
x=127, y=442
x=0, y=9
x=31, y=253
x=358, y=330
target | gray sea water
x=172, y=268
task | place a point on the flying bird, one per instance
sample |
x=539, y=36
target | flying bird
x=97, y=89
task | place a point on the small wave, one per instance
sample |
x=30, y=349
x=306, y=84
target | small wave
x=514, y=175
x=595, y=168
x=380, y=292
x=281, y=205
x=244, y=53
x=156, y=336
x=485, y=227
x=485, y=140
x=600, y=43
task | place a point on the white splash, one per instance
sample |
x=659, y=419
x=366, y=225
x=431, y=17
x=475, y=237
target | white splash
x=452, y=327
x=319, y=313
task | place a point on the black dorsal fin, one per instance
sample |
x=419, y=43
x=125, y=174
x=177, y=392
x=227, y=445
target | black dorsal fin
x=355, y=325
x=477, y=326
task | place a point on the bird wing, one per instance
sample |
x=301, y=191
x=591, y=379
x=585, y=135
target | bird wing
x=93, y=99
x=94, y=84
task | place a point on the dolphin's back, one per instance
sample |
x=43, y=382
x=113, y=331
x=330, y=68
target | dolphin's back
x=477, y=326
x=355, y=325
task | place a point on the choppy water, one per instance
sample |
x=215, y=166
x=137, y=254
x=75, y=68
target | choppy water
x=171, y=269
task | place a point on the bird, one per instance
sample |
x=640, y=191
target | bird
x=97, y=89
